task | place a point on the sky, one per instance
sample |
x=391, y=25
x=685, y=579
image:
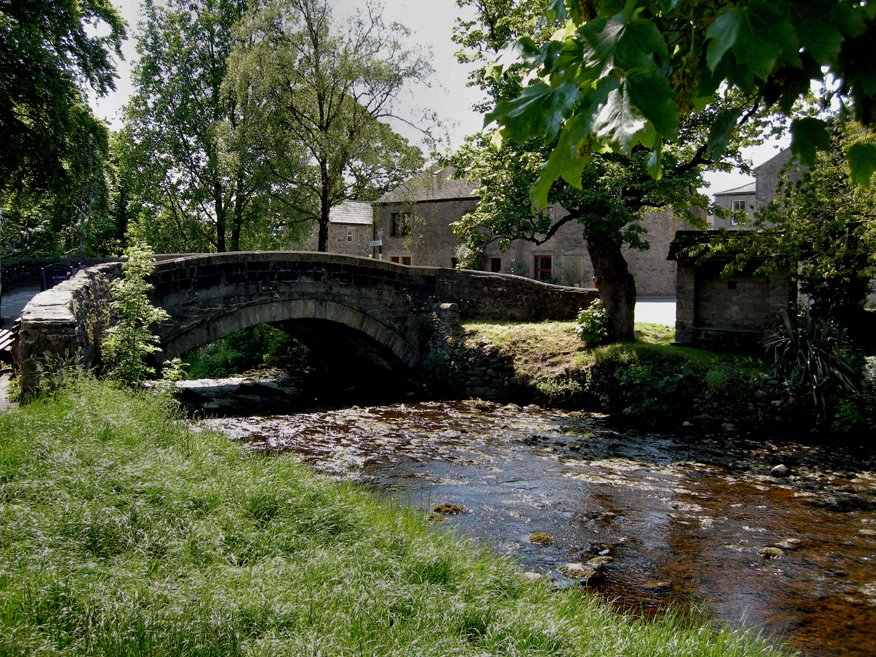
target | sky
x=431, y=24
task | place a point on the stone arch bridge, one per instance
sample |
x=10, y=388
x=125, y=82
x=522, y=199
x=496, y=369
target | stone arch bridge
x=345, y=306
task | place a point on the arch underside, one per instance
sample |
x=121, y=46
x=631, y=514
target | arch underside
x=317, y=323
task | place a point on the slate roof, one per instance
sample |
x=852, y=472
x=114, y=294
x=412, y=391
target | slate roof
x=437, y=185
x=352, y=212
x=750, y=188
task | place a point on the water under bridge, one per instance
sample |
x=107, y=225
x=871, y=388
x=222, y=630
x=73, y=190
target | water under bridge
x=342, y=306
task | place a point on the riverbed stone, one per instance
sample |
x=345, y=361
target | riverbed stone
x=771, y=552
x=788, y=544
x=581, y=572
x=780, y=470
x=541, y=538
x=657, y=586
x=600, y=562
x=448, y=508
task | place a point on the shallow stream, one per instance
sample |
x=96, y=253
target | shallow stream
x=676, y=521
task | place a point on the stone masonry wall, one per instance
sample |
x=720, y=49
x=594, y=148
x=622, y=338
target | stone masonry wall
x=65, y=324
x=489, y=296
x=210, y=296
x=431, y=242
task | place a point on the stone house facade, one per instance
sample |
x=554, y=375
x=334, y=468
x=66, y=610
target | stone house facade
x=731, y=312
x=754, y=196
x=724, y=312
x=413, y=224
x=350, y=230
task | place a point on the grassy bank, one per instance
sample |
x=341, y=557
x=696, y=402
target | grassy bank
x=647, y=382
x=123, y=533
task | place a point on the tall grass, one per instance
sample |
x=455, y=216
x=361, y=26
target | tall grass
x=122, y=532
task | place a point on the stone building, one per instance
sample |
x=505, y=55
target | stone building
x=413, y=224
x=738, y=199
x=754, y=196
x=413, y=220
x=350, y=230
x=724, y=312
x=731, y=312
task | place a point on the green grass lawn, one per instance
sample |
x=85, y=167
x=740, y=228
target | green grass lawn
x=122, y=532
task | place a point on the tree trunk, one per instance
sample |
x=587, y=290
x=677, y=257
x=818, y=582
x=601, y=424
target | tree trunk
x=237, y=219
x=220, y=217
x=617, y=288
x=324, y=210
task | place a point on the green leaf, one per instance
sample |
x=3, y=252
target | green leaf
x=862, y=162
x=720, y=132
x=622, y=42
x=636, y=109
x=655, y=162
x=565, y=161
x=556, y=11
x=757, y=34
x=538, y=111
x=653, y=95
x=620, y=122
x=808, y=135
x=816, y=25
x=722, y=35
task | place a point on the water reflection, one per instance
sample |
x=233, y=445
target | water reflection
x=681, y=521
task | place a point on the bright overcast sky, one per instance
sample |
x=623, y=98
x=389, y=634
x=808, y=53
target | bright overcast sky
x=431, y=23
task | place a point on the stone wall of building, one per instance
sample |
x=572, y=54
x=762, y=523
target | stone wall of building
x=431, y=242
x=350, y=239
x=571, y=264
x=736, y=311
x=770, y=173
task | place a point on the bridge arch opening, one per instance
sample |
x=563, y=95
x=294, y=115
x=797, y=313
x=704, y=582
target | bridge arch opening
x=348, y=350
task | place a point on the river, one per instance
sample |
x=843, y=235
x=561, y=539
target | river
x=649, y=520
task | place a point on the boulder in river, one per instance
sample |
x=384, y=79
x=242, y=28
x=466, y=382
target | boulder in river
x=771, y=552
x=582, y=572
x=780, y=470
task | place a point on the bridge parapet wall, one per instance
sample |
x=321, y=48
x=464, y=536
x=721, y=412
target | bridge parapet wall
x=65, y=324
x=504, y=297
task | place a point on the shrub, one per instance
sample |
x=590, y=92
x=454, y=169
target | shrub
x=592, y=325
x=655, y=390
x=130, y=340
x=250, y=348
x=814, y=359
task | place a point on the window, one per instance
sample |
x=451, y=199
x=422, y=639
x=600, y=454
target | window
x=349, y=234
x=541, y=268
x=401, y=260
x=496, y=264
x=737, y=205
x=400, y=224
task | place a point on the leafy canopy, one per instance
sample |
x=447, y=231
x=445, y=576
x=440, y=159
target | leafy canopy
x=616, y=75
x=50, y=50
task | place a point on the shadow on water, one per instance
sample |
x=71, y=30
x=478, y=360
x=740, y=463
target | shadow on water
x=667, y=520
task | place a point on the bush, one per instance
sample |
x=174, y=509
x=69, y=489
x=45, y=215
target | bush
x=258, y=346
x=814, y=359
x=592, y=325
x=130, y=340
x=655, y=391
